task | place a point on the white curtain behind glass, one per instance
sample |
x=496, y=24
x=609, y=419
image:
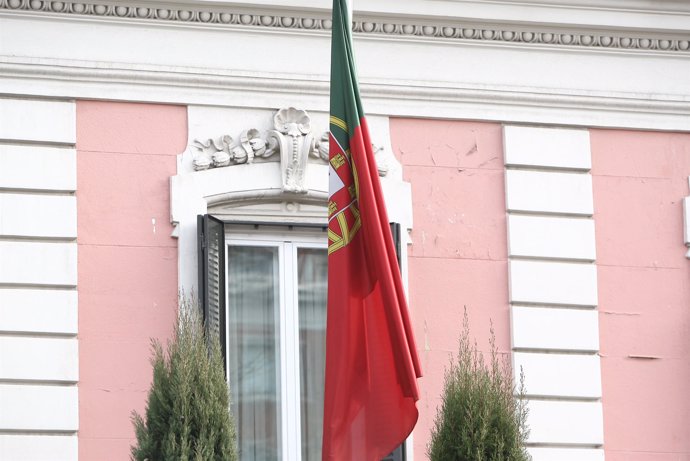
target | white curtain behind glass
x=253, y=352
x=312, y=266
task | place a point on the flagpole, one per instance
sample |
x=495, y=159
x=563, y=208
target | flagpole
x=350, y=12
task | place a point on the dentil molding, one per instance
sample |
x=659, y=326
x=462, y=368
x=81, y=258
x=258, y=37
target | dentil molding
x=495, y=34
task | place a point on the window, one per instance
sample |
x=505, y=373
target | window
x=276, y=341
x=266, y=287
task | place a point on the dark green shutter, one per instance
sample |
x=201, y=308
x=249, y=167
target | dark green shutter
x=395, y=232
x=211, y=250
x=399, y=453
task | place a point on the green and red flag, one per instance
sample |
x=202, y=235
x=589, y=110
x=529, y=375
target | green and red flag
x=371, y=358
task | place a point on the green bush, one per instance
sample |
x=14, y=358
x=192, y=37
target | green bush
x=480, y=418
x=187, y=410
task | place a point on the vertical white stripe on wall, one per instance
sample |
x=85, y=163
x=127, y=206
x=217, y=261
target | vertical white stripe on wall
x=39, y=354
x=553, y=289
x=686, y=219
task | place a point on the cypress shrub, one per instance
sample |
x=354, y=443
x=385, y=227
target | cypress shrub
x=187, y=410
x=480, y=417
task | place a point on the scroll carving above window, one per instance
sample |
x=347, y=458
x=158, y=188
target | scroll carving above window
x=291, y=142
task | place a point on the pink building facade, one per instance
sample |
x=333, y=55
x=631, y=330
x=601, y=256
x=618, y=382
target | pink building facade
x=536, y=155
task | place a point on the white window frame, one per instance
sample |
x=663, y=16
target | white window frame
x=287, y=242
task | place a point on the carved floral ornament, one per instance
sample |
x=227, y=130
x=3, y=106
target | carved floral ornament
x=291, y=141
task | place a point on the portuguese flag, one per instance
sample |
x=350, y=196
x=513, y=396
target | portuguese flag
x=371, y=359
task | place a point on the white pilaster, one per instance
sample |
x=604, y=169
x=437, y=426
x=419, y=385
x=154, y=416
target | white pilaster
x=39, y=354
x=553, y=289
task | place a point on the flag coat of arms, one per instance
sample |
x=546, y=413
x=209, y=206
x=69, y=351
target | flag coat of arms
x=371, y=358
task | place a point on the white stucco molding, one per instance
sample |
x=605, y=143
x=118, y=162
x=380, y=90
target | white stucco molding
x=398, y=25
x=557, y=65
x=193, y=193
x=255, y=191
x=390, y=97
x=291, y=141
x=640, y=14
x=456, y=60
x=686, y=216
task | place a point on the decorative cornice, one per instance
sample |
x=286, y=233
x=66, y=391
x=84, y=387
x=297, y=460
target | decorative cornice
x=498, y=34
x=67, y=79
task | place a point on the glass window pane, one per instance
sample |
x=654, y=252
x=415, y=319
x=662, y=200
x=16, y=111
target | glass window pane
x=254, y=348
x=312, y=265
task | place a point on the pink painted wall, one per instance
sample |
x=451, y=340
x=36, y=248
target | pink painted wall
x=459, y=252
x=127, y=261
x=639, y=181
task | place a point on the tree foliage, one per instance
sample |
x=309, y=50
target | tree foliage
x=480, y=417
x=187, y=411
